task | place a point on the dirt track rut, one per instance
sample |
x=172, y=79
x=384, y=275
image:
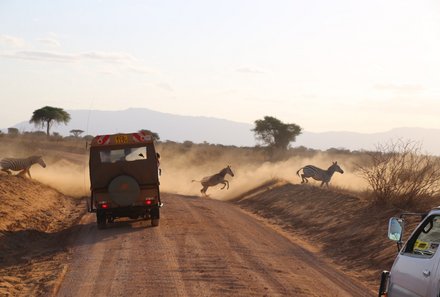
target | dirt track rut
x=202, y=247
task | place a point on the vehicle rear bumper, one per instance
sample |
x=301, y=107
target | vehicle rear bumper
x=130, y=211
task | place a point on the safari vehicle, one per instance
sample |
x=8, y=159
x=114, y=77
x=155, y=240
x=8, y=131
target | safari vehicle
x=416, y=269
x=124, y=178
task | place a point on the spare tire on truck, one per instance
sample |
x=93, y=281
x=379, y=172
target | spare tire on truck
x=123, y=190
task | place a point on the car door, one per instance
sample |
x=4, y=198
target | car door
x=414, y=272
x=435, y=281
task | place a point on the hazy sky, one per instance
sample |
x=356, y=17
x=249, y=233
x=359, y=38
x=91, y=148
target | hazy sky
x=364, y=66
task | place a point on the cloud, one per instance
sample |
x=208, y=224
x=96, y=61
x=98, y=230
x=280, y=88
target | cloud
x=165, y=87
x=67, y=57
x=50, y=41
x=12, y=41
x=42, y=56
x=404, y=88
x=251, y=70
x=108, y=57
x=139, y=70
x=107, y=72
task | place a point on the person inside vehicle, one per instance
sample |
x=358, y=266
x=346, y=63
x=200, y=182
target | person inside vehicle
x=158, y=164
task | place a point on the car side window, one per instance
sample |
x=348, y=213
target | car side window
x=426, y=240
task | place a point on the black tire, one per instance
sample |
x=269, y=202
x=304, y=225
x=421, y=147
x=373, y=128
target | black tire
x=155, y=215
x=101, y=220
x=154, y=222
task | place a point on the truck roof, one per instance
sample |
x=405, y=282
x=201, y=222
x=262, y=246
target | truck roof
x=122, y=138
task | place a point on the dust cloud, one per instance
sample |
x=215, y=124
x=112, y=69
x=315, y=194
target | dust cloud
x=69, y=178
x=68, y=172
x=179, y=169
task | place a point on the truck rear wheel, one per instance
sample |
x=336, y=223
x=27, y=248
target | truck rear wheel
x=155, y=215
x=154, y=222
x=101, y=220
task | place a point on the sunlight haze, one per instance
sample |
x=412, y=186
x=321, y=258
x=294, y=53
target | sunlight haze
x=362, y=66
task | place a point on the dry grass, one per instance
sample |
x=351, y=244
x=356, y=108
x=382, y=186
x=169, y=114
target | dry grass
x=342, y=221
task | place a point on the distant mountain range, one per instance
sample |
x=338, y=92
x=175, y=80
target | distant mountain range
x=218, y=131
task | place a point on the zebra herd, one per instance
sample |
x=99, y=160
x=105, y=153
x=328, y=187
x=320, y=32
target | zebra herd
x=308, y=171
x=22, y=165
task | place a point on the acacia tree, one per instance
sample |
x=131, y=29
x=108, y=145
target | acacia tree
x=275, y=133
x=48, y=115
x=76, y=132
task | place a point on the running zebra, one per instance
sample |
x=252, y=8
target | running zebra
x=212, y=180
x=318, y=173
x=22, y=165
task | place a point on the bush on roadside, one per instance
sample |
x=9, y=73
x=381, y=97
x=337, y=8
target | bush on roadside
x=398, y=172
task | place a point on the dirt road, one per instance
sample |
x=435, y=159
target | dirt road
x=202, y=247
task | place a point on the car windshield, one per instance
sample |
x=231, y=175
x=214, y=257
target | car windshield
x=126, y=155
x=427, y=239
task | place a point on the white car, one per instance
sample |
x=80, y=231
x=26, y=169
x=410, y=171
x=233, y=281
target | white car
x=416, y=270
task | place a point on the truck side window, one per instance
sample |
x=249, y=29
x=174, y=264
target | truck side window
x=426, y=240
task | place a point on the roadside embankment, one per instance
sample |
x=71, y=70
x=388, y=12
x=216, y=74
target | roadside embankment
x=34, y=222
x=347, y=230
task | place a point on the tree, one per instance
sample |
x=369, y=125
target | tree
x=274, y=133
x=88, y=137
x=13, y=131
x=48, y=115
x=76, y=132
x=155, y=135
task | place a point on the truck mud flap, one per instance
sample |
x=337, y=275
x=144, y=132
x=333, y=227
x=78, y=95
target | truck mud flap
x=155, y=213
x=383, y=288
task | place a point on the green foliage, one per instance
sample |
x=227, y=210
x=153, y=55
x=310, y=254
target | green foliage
x=48, y=115
x=88, y=137
x=35, y=133
x=155, y=135
x=274, y=133
x=13, y=131
x=76, y=132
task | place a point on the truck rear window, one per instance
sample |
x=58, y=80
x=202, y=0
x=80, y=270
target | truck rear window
x=123, y=155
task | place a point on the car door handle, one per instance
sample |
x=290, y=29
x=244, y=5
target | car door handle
x=426, y=273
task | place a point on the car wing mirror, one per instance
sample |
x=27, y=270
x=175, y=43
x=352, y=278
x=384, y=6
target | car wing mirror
x=395, y=231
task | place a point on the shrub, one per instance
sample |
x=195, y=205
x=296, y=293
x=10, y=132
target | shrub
x=398, y=172
x=13, y=131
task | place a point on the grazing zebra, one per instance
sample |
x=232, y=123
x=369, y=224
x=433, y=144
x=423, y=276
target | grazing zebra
x=318, y=173
x=212, y=180
x=22, y=165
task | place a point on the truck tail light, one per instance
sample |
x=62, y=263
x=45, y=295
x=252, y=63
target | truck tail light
x=149, y=201
x=103, y=204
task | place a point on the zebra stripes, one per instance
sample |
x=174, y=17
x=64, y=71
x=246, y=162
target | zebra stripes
x=319, y=174
x=22, y=165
